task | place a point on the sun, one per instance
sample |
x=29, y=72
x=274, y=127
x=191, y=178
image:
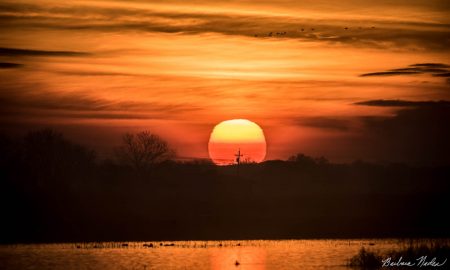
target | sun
x=230, y=136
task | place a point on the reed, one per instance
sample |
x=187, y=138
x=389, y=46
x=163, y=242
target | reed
x=408, y=251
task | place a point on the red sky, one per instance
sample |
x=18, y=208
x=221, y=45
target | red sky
x=97, y=69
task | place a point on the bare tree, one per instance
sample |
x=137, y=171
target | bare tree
x=143, y=150
x=49, y=156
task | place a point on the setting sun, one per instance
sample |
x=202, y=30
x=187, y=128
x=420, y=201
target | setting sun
x=231, y=136
x=225, y=134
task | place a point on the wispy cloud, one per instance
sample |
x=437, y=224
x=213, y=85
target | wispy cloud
x=365, y=31
x=92, y=73
x=435, y=69
x=10, y=65
x=403, y=103
x=85, y=106
x=444, y=74
x=327, y=123
x=30, y=52
x=389, y=73
x=431, y=65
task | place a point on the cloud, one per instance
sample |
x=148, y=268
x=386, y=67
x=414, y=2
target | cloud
x=431, y=65
x=403, y=103
x=4, y=65
x=78, y=105
x=93, y=73
x=416, y=135
x=369, y=32
x=328, y=123
x=389, y=73
x=446, y=75
x=435, y=69
x=74, y=114
x=14, y=52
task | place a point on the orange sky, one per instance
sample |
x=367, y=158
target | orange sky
x=97, y=69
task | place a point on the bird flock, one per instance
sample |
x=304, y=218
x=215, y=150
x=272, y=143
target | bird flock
x=275, y=34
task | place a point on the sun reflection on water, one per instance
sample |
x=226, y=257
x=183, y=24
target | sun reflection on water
x=246, y=258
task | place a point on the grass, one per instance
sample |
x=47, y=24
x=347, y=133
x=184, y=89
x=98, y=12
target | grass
x=409, y=251
x=365, y=259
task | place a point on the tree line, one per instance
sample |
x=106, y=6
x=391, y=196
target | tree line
x=54, y=190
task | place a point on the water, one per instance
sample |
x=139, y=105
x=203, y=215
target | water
x=201, y=255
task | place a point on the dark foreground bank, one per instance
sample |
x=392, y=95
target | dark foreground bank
x=57, y=191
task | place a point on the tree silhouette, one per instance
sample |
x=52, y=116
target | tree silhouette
x=48, y=155
x=143, y=151
x=307, y=161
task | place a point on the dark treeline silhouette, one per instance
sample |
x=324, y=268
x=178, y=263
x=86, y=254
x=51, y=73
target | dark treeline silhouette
x=54, y=190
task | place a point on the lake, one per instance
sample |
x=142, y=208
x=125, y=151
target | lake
x=201, y=255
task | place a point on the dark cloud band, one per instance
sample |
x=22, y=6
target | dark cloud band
x=403, y=103
x=30, y=52
x=5, y=65
x=434, y=69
